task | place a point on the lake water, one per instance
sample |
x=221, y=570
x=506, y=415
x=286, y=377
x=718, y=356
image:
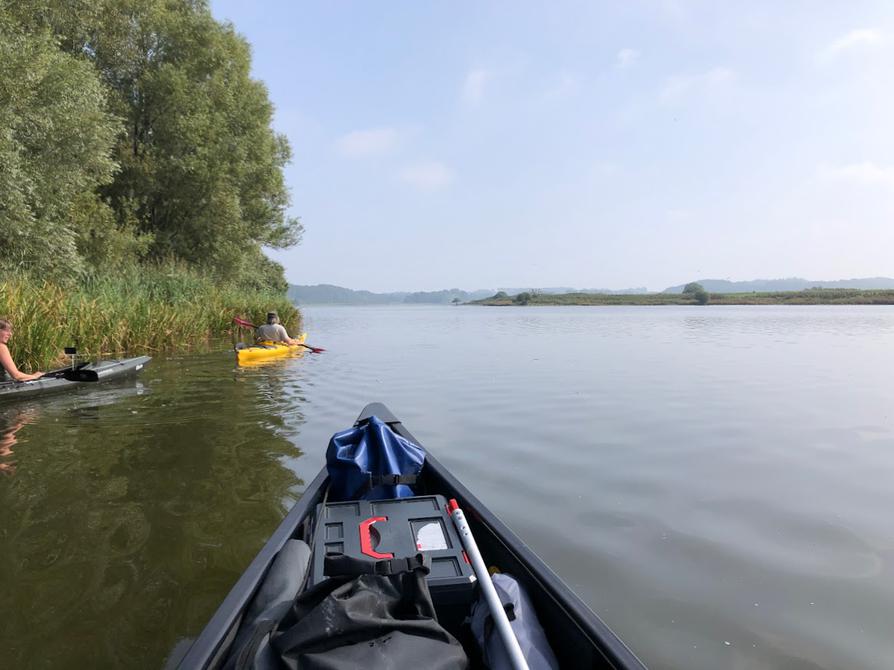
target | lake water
x=717, y=483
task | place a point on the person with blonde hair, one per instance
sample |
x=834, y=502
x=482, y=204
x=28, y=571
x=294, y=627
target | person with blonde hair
x=6, y=362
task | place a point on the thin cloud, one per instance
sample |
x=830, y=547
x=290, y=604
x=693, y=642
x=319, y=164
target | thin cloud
x=602, y=169
x=864, y=37
x=427, y=175
x=567, y=86
x=360, y=143
x=681, y=86
x=475, y=85
x=867, y=173
x=679, y=215
x=626, y=58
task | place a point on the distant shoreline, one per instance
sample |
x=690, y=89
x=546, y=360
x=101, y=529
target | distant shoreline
x=330, y=294
x=806, y=297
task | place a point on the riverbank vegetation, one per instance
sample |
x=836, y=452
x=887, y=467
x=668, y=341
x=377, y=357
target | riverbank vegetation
x=136, y=152
x=150, y=310
x=697, y=296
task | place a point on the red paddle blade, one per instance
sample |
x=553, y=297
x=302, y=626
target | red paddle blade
x=316, y=350
x=242, y=322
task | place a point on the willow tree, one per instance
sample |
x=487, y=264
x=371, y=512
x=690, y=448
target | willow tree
x=199, y=174
x=200, y=167
x=56, y=139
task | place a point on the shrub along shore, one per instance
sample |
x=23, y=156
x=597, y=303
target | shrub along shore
x=141, y=180
x=148, y=310
x=807, y=297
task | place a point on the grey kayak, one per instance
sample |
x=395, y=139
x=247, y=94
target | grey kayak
x=67, y=378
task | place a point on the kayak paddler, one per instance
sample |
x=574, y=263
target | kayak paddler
x=274, y=331
x=6, y=361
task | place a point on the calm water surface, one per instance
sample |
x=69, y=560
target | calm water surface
x=717, y=483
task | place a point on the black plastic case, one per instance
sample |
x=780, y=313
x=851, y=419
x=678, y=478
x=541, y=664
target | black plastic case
x=379, y=529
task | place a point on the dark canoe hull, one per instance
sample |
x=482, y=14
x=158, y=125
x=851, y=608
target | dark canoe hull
x=578, y=636
x=62, y=380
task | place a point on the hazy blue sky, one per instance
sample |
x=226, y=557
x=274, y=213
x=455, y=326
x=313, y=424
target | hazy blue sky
x=586, y=144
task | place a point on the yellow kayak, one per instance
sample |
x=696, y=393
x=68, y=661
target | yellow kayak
x=267, y=349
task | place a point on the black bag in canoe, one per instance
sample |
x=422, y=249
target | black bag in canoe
x=367, y=614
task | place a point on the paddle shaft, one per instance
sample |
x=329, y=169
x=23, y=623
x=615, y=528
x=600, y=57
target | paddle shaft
x=510, y=642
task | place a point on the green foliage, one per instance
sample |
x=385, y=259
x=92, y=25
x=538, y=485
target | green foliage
x=132, y=130
x=101, y=241
x=147, y=309
x=522, y=298
x=701, y=297
x=55, y=148
x=201, y=168
x=810, y=297
x=693, y=287
x=500, y=295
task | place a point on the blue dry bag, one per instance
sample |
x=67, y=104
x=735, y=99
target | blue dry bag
x=372, y=462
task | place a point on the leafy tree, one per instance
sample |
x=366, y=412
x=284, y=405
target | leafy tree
x=102, y=242
x=693, y=287
x=522, y=298
x=199, y=170
x=55, y=149
x=701, y=297
x=500, y=295
x=456, y=301
x=200, y=166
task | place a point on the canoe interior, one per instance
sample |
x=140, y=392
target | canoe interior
x=577, y=636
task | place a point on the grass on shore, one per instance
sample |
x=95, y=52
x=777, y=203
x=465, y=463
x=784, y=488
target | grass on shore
x=146, y=310
x=806, y=297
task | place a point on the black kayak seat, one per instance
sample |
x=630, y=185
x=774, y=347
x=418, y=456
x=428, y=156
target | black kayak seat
x=270, y=603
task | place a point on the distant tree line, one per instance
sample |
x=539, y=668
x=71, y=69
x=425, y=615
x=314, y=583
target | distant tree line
x=322, y=294
x=132, y=131
x=697, y=291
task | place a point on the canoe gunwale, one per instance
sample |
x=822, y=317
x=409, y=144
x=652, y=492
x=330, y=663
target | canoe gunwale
x=602, y=648
x=486, y=525
x=206, y=649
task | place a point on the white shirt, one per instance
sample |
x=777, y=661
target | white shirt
x=275, y=332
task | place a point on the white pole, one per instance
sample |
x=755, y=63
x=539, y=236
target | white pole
x=487, y=588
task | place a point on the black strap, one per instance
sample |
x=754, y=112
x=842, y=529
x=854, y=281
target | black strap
x=340, y=565
x=244, y=660
x=372, y=481
x=391, y=480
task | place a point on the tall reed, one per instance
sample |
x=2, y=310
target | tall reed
x=144, y=310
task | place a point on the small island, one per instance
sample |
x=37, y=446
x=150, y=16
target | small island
x=694, y=294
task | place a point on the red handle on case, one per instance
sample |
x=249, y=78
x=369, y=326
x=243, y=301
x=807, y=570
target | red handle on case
x=366, y=546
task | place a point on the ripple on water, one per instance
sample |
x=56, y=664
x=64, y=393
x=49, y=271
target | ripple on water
x=714, y=483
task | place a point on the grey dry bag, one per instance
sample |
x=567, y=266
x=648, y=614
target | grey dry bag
x=367, y=614
x=525, y=625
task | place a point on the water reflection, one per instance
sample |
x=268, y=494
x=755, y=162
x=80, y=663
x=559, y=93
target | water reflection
x=714, y=482
x=134, y=510
x=11, y=422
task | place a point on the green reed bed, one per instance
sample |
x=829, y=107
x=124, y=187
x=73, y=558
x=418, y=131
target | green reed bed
x=146, y=310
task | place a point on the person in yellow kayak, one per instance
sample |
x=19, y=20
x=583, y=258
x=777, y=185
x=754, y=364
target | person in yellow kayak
x=6, y=363
x=274, y=331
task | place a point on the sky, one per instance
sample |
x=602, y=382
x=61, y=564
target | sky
x=583, y=144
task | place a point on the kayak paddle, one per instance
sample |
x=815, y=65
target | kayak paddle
x=248, y=324
x=504, y=628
